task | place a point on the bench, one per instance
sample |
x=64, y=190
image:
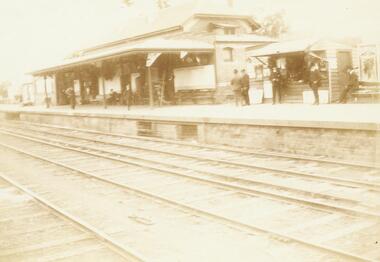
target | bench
x=366, y=94
x=196, y=96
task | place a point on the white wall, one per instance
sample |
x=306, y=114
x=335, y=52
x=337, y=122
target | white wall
x=35, y=92
x=113, y=83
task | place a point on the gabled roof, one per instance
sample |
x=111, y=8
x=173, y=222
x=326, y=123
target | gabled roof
x=170, y=18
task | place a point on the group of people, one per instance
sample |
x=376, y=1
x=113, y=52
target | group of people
x=240, y=87
x=315, y=79
x=240, y=84
x=123, y=98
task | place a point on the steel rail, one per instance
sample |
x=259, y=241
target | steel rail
x=217, y=147
x=305, y=202
x=125, y=252
x=346, y=182
x=182, y=206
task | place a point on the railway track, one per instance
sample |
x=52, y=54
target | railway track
x=33, y=229
x=115, y=170
x=311, y=168
x=332, y=196
x=162, y=230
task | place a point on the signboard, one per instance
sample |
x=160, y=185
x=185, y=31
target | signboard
x=281, y=63
x=77, y=87
x=195, y=77
x=152, y=57
x=255, y=96
x=268, y=89
x=134, y=83
x=183, y=54
x=369, y=64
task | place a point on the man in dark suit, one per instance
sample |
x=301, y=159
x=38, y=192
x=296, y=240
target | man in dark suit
x=70, y=94
x=245, y=86
x=315, y=81
x=353, y=82
x=236, y=87
x=275, y=78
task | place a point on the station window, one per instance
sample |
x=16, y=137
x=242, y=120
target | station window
x=228, y=54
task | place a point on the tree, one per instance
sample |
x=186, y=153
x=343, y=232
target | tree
x=273, y=25
x=161, y=4
x=128, y=2
x=4, y=88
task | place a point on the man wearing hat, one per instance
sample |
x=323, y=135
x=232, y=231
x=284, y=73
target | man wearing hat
x=315, y=81
x=275, y=78
x=237, y=87
x=352, y=83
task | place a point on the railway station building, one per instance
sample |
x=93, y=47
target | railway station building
x=184, y=55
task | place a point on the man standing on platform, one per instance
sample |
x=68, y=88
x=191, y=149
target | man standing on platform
x=245, y=86
x=275, y=78
x=129, y=94
x=70, y=93
x=236, y=87
x=353, y=82
x=315, y=81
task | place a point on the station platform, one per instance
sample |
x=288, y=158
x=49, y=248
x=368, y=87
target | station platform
x=349, y=132
x=336, y=113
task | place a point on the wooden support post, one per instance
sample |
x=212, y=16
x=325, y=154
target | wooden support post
x=330, y=82
x=122, y=85
x=34, y=91
x=151, y=102
x=54, y=91
x=104, y=93
x=46, y=94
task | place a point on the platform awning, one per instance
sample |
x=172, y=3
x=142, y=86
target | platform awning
x=282, y=48
x=151, y=45
x=296, y=46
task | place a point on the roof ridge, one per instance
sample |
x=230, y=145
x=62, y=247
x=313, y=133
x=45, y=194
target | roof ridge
x=168, y=19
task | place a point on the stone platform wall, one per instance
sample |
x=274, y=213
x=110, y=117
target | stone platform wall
x=345, y=141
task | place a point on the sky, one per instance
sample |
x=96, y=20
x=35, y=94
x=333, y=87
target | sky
x=39, y=32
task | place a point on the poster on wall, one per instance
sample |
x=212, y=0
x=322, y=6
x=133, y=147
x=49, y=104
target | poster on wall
x=368, y=64
x=281, y=63
x=152, y=57
x=134, y=77
x=195, y=77
x=255, y=95
x=77, y=87
x=268, y=89
x=183, y=54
